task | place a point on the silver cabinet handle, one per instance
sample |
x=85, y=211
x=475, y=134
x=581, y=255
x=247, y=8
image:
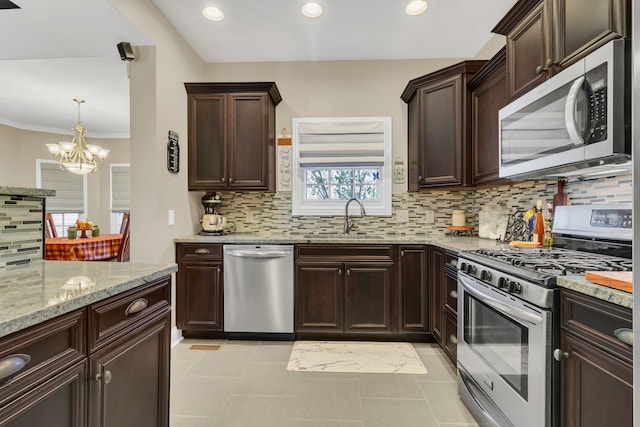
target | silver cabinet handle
x=339, y=272
x=136, y=306
x=202, y=251
x=13, y=364
x=106, y=377
x=625, y=335
x=348, y=272
x=558, y=354
x=401, y=253
x=453, y=339
x=230, y=180
x=223, y=180
x=453, y=294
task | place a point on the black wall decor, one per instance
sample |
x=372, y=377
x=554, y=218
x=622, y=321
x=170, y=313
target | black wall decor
x=173, y=152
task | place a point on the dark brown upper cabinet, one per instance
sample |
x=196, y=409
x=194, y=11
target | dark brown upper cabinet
x=544, y=36
x=232, y=135
x=440, y=127
x=489, y=94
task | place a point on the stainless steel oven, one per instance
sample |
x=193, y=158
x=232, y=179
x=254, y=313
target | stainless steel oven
x=505, y=346
x=508, y=311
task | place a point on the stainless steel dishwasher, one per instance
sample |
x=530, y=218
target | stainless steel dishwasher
x=258, y=290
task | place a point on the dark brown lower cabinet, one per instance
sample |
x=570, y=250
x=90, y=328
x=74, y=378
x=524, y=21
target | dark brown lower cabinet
x=129, y=379
x=450, y=336
x=368, y=298
x=412, y=293
x=343, y=291
x=319, y=297
x=436, y=289
x=105, y=365
x=59, y=402
x=199, y=289
x=597, y=366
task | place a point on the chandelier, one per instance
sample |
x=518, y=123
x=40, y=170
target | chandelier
x=77, y=156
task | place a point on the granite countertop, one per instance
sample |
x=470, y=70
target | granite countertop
x=452, y=243
x=580, y=284
x=42, y=290
x=22, y=191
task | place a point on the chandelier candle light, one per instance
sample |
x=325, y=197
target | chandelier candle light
x=77, y=156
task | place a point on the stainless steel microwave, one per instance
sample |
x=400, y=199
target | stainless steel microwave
x=574, y=125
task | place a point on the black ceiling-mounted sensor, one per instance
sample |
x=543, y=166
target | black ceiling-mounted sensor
x=6, y=4
x=126, y=51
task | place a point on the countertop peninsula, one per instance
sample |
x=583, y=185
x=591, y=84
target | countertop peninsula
x=39, y=291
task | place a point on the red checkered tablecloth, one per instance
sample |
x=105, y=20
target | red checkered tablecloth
x=82, y=249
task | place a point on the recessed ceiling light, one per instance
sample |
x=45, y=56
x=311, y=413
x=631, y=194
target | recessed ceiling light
x=312, y=10
x=212, y=13
x=416, y=7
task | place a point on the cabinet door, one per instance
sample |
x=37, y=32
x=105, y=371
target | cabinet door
x=59, y=402
x=207, y=141
x=488, y=98
x=529, y=47
x=441, y=134
x=450, y=336
x=436, y=287
x=200, y=296
x=319, y=297
x=582, y=26
x=597, y=388
x=411, y=290
x=129, y=379
x=368, y=296
x=250, y=142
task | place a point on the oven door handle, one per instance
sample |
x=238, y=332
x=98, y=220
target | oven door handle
x=492, y=302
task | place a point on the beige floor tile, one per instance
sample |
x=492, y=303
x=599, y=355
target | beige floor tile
x=397, y=413
x=266, y=379
x=220, y=363
x=443, y=399
x=250, y=411
x=393, y=386
x=326, y=399
x=200, y=396
x=439, y=368
x=272, y=353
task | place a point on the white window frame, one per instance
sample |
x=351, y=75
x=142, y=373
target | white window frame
x=302, y=207
x=115, y=218
x=85, y=203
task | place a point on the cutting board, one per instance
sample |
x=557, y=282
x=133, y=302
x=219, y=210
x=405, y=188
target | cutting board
x=622, y=280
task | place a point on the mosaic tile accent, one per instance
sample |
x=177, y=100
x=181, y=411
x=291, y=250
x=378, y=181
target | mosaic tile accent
x=21, y=239
x=272, y=211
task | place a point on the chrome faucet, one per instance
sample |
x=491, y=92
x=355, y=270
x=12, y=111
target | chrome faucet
x=348, y=221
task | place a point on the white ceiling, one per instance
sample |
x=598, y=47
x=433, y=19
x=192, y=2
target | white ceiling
x=59, y=50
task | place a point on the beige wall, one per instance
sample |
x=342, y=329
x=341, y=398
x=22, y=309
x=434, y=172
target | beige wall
x=159, y=104
x=21, y=148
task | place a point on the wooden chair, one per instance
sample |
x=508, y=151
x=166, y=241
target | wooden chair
x=124, y=249
x=49, y=226
x=125, y=222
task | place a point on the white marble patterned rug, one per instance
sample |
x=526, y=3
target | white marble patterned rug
x=355, y=356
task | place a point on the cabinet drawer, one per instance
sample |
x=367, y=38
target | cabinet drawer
x=451, y=260
x=450, y=338
x=52, y=346
x=596, y=322
x=451, y=293
x=195, y=251
x=116, y=316
x=341, y=252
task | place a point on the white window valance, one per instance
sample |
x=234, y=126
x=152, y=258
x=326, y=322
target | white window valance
x=343, y=142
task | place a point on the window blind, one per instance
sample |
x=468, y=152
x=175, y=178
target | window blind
x=349, y=143
x=120, y=188
x=69, y=188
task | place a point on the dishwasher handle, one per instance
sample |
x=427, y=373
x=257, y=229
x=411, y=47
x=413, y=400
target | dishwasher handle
x=258, y=254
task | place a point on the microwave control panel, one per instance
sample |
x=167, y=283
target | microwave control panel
x=597, y=104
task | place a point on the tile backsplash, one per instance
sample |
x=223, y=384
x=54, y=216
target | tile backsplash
x=271, y=212
x=20, y=229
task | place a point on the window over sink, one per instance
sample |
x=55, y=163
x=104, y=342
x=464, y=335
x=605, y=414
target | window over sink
x=336, y=159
